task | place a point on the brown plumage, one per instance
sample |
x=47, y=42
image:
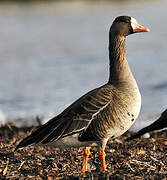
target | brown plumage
x=107, y=111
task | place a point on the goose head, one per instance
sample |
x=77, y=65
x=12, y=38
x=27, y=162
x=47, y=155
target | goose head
x=126, y=25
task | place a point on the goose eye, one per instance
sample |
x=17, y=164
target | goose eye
x=122, y=20
x=125, y=21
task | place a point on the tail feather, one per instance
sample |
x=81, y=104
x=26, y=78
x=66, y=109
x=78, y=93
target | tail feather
x=26, y=142
x=141, y=132
x=157, y=125
x=40, y=134
x=56, y=134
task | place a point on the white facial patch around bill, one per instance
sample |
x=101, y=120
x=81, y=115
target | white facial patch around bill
x=134, y=23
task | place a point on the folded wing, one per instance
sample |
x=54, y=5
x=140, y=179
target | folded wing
x=72, y=120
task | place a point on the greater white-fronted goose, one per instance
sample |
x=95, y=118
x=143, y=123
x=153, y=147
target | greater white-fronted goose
x=105, y=112
x=160, y=123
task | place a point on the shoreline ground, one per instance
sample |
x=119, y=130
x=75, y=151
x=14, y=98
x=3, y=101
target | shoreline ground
x=138, y=159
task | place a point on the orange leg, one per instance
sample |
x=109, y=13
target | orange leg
x=103, y=161
x=85, y=160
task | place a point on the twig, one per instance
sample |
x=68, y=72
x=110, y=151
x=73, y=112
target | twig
x=38, y=121
x=143, y=163
x=130, y=167
x=21, y=165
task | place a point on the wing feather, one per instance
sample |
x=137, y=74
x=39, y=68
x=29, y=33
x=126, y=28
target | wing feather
x=72, y=120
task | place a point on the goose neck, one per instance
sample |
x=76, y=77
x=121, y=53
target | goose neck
x=119, y=68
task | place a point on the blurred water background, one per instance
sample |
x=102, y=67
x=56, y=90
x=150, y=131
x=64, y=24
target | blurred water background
x=53, y=52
